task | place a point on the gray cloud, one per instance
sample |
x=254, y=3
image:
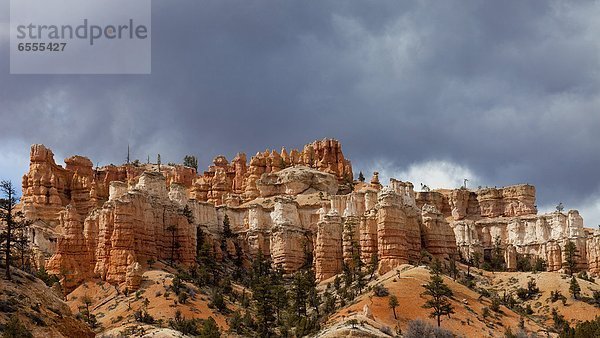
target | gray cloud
x=507, y=91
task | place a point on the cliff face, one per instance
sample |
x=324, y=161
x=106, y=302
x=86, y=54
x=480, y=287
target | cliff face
x=509, y=215
x=224, y=179
x=39, y=308
x=48, y=187
x=593, y=253
x=109, y=222
x=511, y=201
x=117, y=239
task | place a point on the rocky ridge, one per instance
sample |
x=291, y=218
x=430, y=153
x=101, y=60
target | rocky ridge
x=109, y=222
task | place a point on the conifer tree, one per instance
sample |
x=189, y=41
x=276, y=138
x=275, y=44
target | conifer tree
x=570, y=257
x=393, y=303
x=262, y=285
x=227, y=227
x=497, y=258
x=439, y=293
x=574, y=287
x=373, y=264
x=190, y=161
x=13, y=221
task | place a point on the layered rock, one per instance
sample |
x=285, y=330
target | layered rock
x=593, y=252
x=530, y=235
x=45, y=186
x=138, y=227
x=296, y=181
x=328, y=246
x=289, y=241
x=116, y=240
x=48, y=187
x=258, y=235
x=73, y=260
x=288, y=206
x=237, y=178
x=510, y=201
x=391, y=231
x=368, y=236
x=436, y=234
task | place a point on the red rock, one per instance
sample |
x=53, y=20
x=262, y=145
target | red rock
x=328, y=248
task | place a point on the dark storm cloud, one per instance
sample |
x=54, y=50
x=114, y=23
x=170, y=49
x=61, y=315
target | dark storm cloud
x=509, y=90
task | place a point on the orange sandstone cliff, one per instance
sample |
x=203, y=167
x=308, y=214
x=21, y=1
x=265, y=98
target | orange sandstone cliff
x=109, y=222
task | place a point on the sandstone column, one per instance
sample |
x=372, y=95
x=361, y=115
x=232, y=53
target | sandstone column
x=328, y=249
x=390, y=233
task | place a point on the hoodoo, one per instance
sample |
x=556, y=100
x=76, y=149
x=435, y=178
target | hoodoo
x=292, y=206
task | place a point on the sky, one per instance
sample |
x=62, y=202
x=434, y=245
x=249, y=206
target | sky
x=432, y=92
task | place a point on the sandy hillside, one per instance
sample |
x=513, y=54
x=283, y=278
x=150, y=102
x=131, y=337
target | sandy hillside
x=573, y=310
x=406, y=283
x=114, y=311
x=38, y=307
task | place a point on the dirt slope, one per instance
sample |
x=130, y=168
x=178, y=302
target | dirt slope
x=40, y=309
x=573, y=310
x=114, y=310
x=406, y=283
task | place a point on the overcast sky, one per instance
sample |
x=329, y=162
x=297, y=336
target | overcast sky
x=499, y=92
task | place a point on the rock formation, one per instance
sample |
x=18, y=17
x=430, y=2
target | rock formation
x=328, y=247
x=237, y=178
x=509, y=215
x=110, y=227
x=109, y=222
x=593, y=252
x=289, y=240
x=115, y=240
x=295, y=181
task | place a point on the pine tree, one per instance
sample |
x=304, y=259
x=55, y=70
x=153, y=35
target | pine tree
x=227, y=227
x=174, y=243
x=209, y=329
x=373, y=264
x=439, y=293
x=15, y=329
x=187, y=212
x=393, y=303
x=361, y=177
x=453, y=268
x=357, y=266
x=190, y=161
x=205, y=271
x=262, y=285
x=21, y=245
x=86, y=301
x=570, y=257
x=226, y=234
x=14, y=221
x=279, y=293
x=497, y=258
x=299, y=294
x=574, y=288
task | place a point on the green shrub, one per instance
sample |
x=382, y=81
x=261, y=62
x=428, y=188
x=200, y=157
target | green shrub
x=380, y=290
x=49, y=280
x=183, y=297
x=495, y=306
x=143, y=316
x=419, y=329
x=15, y=329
